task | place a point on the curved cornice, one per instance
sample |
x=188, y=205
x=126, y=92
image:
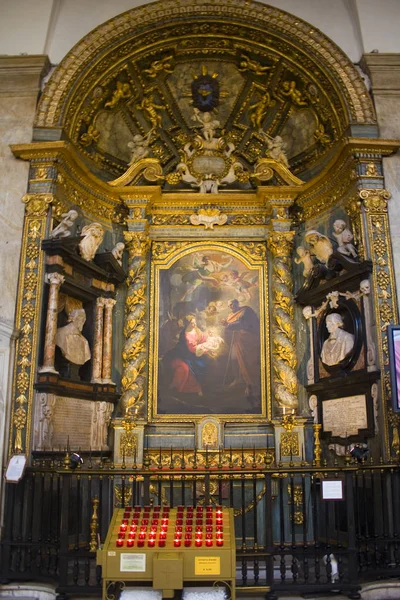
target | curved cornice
x=101, y=41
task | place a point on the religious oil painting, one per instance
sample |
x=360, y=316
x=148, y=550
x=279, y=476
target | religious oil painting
x=209, y=341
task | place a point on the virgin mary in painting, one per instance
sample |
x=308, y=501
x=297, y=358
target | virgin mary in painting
x=209, y=336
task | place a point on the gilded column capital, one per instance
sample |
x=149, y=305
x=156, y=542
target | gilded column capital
x=137, y=243
x=375, y=201
x=55, y=279
x=36, y=205
x=280, y=243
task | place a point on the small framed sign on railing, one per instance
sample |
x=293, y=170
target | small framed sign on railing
x=332, y=489
x=15, y=468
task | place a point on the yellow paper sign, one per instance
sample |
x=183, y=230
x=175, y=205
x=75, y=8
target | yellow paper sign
x=207, y=565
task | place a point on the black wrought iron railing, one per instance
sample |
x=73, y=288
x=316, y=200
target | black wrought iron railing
x=288, y=537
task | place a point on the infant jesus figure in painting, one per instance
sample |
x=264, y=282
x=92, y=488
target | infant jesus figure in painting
x=213, y=345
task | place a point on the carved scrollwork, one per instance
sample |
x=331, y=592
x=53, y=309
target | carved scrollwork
x=161, y=250
x=36, y=205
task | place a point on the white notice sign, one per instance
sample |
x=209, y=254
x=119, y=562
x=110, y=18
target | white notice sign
x=332, y=489
x=133, y=563
x=15, y=468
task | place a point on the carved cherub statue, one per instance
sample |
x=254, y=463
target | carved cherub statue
x=118, y=252
x=276, y=151
x=320, y=245
x=344, y=238
x=313, y=404
x=305, y=258
x=139, y=147
x=92, y=237
x=63, y=229
x=209, y=124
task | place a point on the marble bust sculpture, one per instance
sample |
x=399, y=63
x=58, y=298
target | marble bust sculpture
x=73, y=345
x=339, y=343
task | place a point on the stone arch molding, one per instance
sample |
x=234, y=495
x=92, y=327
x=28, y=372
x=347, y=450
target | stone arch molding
x=306, y=40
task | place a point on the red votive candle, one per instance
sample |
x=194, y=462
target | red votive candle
x=129, y=543
x=119, y=543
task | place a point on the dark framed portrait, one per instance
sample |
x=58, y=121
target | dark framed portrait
x=209, y=344
x=394, y=358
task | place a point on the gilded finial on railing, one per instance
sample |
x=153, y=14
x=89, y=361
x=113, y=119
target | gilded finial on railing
x=94, y=525
x=317, y=445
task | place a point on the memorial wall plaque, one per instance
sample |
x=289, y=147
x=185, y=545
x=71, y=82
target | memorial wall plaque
x=72, y=422
x=344, y=417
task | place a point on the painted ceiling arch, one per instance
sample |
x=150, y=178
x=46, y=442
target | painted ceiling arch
x=269, y=74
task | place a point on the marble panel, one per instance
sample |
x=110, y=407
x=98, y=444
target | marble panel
x=16, y=119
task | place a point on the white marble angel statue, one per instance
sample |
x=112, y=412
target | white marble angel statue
x=139, y=147
x=320, y=245
x=118, y=252
x=92, y=237
x=305, y=259
x=64, y=228
x=344, y=237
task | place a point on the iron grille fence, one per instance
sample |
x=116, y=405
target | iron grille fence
x=288, y=537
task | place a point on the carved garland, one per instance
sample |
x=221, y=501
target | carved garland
x=283, y=331
x=375, y=206
x=27, y=318
x=134, y=355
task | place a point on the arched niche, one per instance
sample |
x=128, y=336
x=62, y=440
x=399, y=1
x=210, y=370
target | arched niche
x=315, y=93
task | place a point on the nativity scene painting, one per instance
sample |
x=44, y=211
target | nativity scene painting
x=209, y=342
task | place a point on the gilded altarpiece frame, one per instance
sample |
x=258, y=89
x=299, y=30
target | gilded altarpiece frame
x=194, y=287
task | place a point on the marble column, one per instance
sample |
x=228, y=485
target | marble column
x=97, y=354
x=109, y=304
x=55, y=280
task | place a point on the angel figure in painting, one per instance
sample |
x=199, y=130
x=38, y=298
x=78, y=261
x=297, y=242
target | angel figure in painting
x=204, y=270
x=344, y=237
x=64, y=228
